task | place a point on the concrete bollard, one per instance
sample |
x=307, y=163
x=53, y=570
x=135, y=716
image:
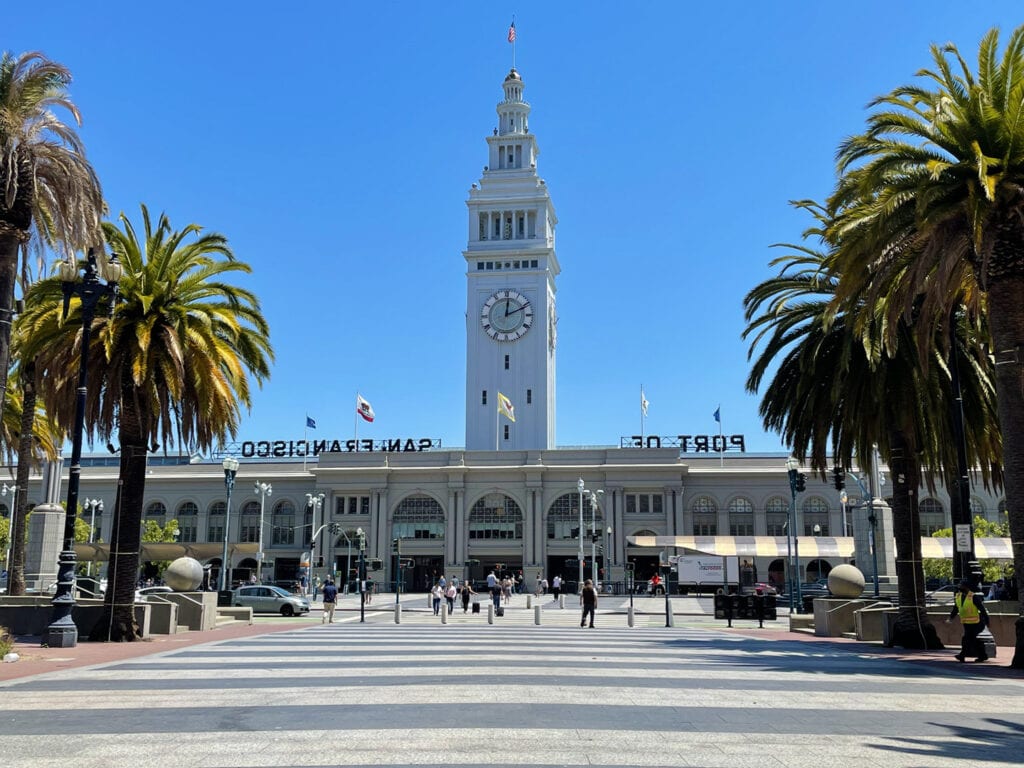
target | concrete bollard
x=629, y=615
x=398, y=613
x=536, y=615
x=490, y=613
x=430, y=600
x=444, y=612
x=529, y=601
x=561, y=601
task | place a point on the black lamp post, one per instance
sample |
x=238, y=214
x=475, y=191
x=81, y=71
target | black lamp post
x=792, y=466
x=230, y=465
x=62, y=632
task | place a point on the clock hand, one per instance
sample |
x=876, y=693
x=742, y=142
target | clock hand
x=507, y=313
x=507, y=304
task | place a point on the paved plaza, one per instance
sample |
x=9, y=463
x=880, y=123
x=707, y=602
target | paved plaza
x=294, y=692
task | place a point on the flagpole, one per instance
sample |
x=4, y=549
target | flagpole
x=355, y=422
x=641, y=415
x=513, y=43
x=721, y=440
x=305, y=439
x=497, y=426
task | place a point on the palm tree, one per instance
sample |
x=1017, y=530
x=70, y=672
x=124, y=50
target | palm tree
x=934, y=191
x=177, y=354
x=834, y=387
x=48, y=191
x=37, y=437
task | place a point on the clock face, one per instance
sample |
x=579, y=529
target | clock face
x=506, y=315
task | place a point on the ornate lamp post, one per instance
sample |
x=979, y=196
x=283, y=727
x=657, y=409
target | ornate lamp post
x=361, y=537
x=594, y=535
x=62, y=632
x=792, y=467
x=92, y=505
x=230, y=465
x=316, y=502
x=581, y=487
x=262, y=490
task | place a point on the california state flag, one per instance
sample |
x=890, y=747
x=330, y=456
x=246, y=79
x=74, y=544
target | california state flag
x=363, y=408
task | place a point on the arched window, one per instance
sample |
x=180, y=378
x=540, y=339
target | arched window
x=977, y=507
x=705, y=516
x=249, y=522
x=157, y=512
x=418, y=517
x=496, y=516
x=815, y=516
x=564, y=516
x=283, y=522
x=776, y=511
x=215, y=521
x=188, y=521
x=933, y=516
x=741, y=517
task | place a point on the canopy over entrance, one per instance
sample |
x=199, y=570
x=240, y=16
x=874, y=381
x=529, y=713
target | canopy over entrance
x=810, y=546
x=160, y=550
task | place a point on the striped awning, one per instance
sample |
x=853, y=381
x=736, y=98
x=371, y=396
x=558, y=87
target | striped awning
x=810, y=546
x=161, y=550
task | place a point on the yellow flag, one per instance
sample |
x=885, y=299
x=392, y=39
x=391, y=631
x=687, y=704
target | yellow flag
x=505, y=408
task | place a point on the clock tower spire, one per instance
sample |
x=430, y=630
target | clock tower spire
x=510, y=279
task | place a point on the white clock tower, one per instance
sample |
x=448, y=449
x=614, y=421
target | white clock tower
x=511, y=323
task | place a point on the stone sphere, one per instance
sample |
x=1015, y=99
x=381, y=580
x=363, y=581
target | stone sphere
x=846, y=581
x=186, y=574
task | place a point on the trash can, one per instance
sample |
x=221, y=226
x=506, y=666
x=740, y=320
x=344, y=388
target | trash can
x=224, y=598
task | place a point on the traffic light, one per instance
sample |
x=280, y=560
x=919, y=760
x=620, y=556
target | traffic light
x=595, y=537
x=838, y=478
x=334, y=528
x=801, y=483
x=396, y=546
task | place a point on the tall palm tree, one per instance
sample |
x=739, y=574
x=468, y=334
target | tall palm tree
x=37, y=438
x=834, y=388
x=939, y=174
x=47, y=187
x=173, y=366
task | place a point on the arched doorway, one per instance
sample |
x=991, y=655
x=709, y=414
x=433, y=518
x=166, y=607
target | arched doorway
x=419, y=523
x=495, y=537
x=818, y=569
x=777, y=574
x=566, y=524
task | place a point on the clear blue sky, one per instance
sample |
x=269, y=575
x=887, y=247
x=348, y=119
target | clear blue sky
x=335, y=144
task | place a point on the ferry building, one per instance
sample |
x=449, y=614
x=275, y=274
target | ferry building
x=510, y=500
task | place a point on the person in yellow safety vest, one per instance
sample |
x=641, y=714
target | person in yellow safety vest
x=974, y=618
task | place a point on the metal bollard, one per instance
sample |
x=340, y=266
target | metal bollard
x=561, y=601
x=536, y=615
x=490, y=613
x=629, y=615
x=529, y=601
x=444, y=612
x=398, y=613
x=430, y=600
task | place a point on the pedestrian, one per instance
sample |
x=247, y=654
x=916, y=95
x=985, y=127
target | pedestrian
x=437, y=593
x=588, y=599
x=556, y=586
x=974, y=619
x=449, y=596
x=330, y=600
x=543, y=586
x=467, y=592
x=997, y=590
x=494, y=589
x=442, y=582
x=506, y=590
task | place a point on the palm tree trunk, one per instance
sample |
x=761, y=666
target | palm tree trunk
x=1006, y=322
x=118, y=620
x=26, y=445
x=9, y=247
x=912, y=628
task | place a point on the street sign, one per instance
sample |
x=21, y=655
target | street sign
x=963, y=538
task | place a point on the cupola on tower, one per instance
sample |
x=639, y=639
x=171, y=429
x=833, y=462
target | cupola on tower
x=511, y=323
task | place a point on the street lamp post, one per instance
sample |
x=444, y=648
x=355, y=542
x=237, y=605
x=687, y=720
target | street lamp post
x=361, y=536
x=581, y=487
x=608, y=553
x=9, y=489
x=93, y=505
x=262, y=490
x=843, y=499
x=62, y=632
x=315, y=501
x=594, y=496
x=792, y=467
x=230, y=465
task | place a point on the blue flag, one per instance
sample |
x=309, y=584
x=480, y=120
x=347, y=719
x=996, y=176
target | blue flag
x=311, y=423
x=718, y=414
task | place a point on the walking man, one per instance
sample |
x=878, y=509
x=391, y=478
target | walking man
x=588, y=599
x=974, y=619
x=330, y=600
x=556, y=586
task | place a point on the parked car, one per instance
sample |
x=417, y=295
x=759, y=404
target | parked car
x=814, y=589
x=269, y=599
x=765, y=589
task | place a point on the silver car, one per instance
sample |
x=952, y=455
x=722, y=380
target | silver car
x=267, y=599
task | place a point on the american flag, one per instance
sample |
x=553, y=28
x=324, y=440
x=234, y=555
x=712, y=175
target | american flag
x=512, y=33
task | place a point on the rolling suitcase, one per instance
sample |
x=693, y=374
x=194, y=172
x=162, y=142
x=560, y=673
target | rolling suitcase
x=499, y=611
x=476, y=607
